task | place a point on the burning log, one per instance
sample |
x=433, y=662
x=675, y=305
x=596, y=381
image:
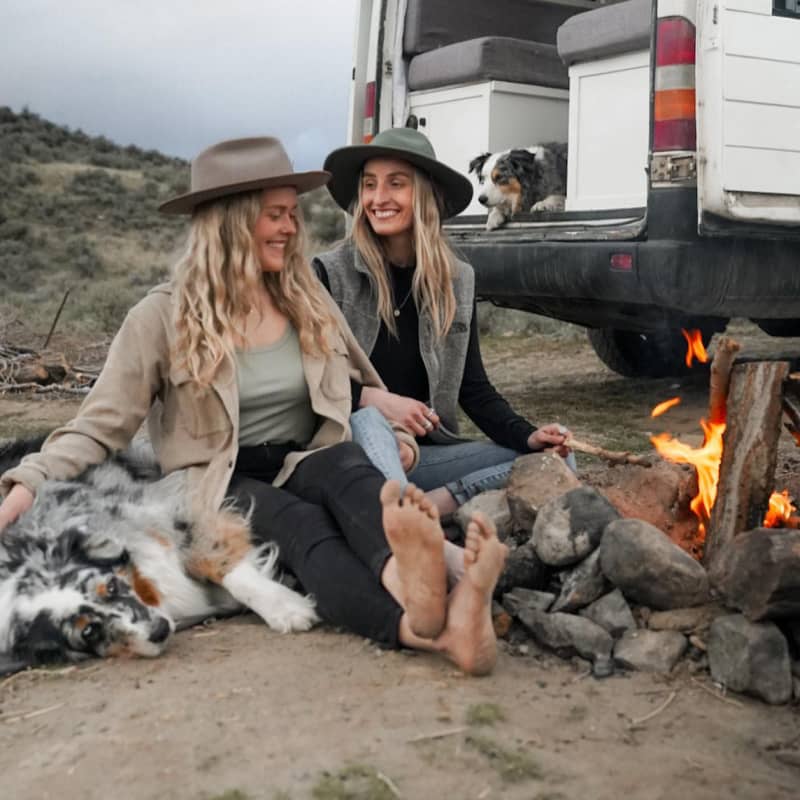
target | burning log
x=612, y=456
x=747, y=470
x=721, y=367
x=791, y=405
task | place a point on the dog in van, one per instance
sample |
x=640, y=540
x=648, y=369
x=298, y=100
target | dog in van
x=520, y=180
x=108, y=564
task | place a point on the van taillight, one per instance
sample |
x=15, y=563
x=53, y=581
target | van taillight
x=674, y=125
x=369, y=112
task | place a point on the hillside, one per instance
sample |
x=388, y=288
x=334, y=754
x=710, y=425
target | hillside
x=79, y=213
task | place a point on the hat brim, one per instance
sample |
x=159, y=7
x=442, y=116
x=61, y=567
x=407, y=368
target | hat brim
x=302, y=181
x=345, y=166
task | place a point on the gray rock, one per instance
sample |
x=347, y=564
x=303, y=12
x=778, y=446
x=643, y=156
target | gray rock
x=612, y=613
x=649, y=568
x=492, y=503
x=568, y=634
x=535, y=479
x=650, y=651
x=685, y=620
x=523, y=568
x=750, y=657
x=519, y=598
x=581, y=585
x=570, y=526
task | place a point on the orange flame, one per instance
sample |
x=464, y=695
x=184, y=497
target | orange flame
x=662, y=408
x=780, y=509
x=696, y=349
x=705, y=460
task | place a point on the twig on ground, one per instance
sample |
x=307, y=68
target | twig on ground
x=32, y=714
x=389, y=783
x=721, y=697
x=612, y=456
x=655, y=712
x=438, y=735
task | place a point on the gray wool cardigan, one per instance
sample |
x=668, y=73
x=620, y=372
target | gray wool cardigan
x=353, y=289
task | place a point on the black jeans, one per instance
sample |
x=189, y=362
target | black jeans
x=327, y=523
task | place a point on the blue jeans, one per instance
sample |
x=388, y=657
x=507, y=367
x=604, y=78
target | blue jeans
x=464, y=469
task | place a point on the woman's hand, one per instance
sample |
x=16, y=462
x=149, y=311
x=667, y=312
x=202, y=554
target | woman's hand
x=552, y=435
x=412, y=414
x=17, y=502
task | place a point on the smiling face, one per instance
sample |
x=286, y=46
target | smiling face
x=387, y=196
x=275, y=227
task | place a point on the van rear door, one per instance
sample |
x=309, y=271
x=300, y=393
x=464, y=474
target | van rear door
x=748, y=113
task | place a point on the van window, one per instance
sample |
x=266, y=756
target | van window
x=786, y=8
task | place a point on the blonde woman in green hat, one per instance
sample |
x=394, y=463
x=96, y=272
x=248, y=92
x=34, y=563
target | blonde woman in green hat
x=411, y=305
x=243, y=364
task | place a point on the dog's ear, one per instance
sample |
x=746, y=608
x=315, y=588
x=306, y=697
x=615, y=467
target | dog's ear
x=476, y=165
x=80, y=544
x=523, y=163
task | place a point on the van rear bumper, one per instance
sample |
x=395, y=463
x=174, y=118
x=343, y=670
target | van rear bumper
x=638, y=285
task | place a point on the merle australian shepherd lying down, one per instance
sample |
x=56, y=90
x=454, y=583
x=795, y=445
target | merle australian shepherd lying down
x=521, y=180
x=108, y=564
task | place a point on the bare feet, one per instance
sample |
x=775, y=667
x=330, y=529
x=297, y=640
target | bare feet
x=411, y=523
x=469, y=638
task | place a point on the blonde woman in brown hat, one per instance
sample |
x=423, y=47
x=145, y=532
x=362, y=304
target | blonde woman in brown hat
x=243, y=364
x=411, y=304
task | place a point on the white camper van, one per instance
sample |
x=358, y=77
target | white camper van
x=682, y=119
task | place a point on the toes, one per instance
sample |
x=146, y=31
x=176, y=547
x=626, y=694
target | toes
x=484, y=526
x=391, y=491
x=413, y=495
x=428, y=507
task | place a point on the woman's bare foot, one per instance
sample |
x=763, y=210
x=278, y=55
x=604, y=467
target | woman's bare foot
x=411, y=523
x=469, y=639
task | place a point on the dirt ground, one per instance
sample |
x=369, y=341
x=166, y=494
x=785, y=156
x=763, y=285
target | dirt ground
x=236, y=712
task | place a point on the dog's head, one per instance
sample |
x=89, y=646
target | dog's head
x=508, y=180
x=71, y=594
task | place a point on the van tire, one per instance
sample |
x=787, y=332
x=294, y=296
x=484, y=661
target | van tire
x=655, y=354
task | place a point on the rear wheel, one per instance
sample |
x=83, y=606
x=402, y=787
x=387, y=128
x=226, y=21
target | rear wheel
x=655, y=354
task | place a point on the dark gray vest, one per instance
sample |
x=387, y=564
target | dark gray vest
x=354, y=291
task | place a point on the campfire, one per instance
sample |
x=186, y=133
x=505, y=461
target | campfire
x=604, y=572
x=707, y=458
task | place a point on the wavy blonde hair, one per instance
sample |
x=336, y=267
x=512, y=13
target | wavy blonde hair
x=432, y=285
x=218, y=275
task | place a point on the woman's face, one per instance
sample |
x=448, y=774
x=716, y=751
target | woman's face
x=387, y=196
x=275, y=227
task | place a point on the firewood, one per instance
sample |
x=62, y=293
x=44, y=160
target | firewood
x=747, y=471
x=721, y=367
x=791, y=405
x=612, y=456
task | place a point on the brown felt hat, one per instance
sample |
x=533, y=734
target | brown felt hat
x=241, y=165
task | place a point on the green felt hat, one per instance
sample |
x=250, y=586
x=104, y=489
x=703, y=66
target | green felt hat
x=407, y=144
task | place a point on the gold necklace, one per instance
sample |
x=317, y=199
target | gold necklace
x=397, y=308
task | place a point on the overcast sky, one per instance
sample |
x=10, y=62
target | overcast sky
x=178, y=75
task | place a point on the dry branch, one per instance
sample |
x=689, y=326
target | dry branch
x=612, y=456
x=721, y=367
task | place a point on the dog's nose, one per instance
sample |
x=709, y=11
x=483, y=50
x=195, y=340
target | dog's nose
x=160, y=632
x=483, y=199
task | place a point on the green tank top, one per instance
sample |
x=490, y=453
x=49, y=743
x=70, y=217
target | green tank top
x=274, y=405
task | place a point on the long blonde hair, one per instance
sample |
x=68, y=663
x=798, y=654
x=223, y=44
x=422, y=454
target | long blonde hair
x=432, y=285
x=217, y=277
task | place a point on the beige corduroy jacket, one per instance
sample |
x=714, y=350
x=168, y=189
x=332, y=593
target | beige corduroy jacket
x=196, y=434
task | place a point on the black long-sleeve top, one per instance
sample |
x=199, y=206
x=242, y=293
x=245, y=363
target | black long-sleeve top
x=400, y=365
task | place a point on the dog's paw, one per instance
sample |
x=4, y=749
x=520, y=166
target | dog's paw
x=296, y=613
x=496, y=219
x=555, y=202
